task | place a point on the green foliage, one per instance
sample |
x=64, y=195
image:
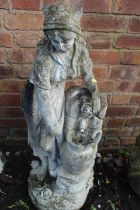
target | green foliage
x=20, y=203
x=93, y=207
x=1, y=192
x=111, y=205
x=124, y=151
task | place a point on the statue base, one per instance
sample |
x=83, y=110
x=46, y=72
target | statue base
x=74, y=180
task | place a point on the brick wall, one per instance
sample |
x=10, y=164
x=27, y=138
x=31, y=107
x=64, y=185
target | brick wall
x=111, y=28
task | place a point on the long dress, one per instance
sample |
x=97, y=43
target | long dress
x=48, y=77
x=44, y=101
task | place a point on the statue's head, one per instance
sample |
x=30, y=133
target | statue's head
x=61, y=40
x=61, y=26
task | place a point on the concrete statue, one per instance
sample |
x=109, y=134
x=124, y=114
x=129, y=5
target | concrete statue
x=64, y=128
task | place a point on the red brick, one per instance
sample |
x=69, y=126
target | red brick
x=106, y=86
x=121, y=111
x=1, y=20
x=137, y=87
x=130, y=57
x=12, y=123
x=3, y=132
x=7, y=71
x=100, y=145
x=103, y=23
x=26, y=4
x=24, y=71
x=22, y=56
x=2, y=56
x=103, y=6
x=100, y=73
x=98, y=41
x=11, y=85
x=15, y=56
x=10, y=100
x=115, y=122
x=135, y=121
x=11, y=112
x=121, y=132
x=48, y=1
x=124, y=72
x=111, y=142
x=105, y=121
x=121, y=99
x=134, y=25
x=105, y=57
x=14, y=142
x=73, y=83
x=136, y=132
x=125, y=86
x=135, y=100
x=128, y=141
x=4, y=4
x=23, y=21
x=28, y=39
x=128, y=41
x=127, y=7
x=17, y=132
x=6, y=39
x=109, y=99
x=138, y=112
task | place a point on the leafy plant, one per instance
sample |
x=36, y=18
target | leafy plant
x=92, y=207
x=1, y=192
x=124, y=151
x=107, y=181
x=21, y=204
x=111, y=205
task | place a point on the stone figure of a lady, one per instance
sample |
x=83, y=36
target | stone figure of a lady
x=64, y=129
x=61, y=55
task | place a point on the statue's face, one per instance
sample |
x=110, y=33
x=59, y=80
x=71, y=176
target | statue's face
x=61, y=40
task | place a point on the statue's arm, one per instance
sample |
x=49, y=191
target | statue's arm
x=47, y=111
x=99, y=106
x=91, y=84
x=90, y=81
x=86, y=67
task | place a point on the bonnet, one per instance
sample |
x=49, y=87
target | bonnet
x=59, y=17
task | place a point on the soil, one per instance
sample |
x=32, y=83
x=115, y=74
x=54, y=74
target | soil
x=110, y=191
